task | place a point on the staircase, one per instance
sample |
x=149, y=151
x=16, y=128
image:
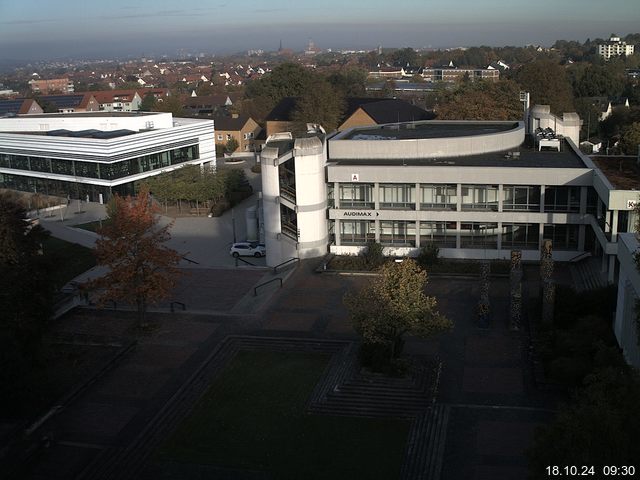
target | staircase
x=586, y=275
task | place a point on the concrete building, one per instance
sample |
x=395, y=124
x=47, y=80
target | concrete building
x=614, y=48
x=475, y=189
x=626, y=326
x=52, y=85
x=242, y=128
x=455, y=74
x=93, y=155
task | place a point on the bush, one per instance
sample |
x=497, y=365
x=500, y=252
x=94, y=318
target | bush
x=373, y=256
x=256, y=168
x=428, y=255
x=377, y=358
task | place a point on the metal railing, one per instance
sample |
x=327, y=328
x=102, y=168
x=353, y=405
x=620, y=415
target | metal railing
x=286, y=262
x=243, y=261
x=255, y=290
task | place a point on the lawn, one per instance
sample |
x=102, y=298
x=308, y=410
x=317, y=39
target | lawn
x=68, y=259
x=253, y=417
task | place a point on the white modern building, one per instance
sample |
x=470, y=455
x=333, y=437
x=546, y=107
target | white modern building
x=614, y=48
x=96, y=154
x=475, y=189
x=626, y=324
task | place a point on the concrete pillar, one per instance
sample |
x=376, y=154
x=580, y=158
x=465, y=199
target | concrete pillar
x=417, y=197
x=376, y=196
x=458, y=241
x=614, y=225
x=499, y=236
x=377, y=227
x=336, y=194
x=500, y=199
x=542, y=197
x=337, y=232
x=458, y=202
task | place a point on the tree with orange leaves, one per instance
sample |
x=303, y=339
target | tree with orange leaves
x=141, y=269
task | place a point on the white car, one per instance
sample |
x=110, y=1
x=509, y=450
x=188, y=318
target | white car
x=248, y=249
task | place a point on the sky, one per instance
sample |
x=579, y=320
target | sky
x=51, y=29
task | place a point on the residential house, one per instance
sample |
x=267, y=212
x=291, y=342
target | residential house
x=72, y=103
x=52, y=85
x=242, y=128
x=118, y=100
x=362, y=112
x=20, y=106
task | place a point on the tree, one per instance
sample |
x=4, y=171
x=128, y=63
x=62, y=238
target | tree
x=394, y=304
x=547, y=82
x=231, y=146
x=26, y=289
x=320, y=104
x=171, y=104
x=141, y=269
x=286, y=80
x=148, y=103
x=482, y=100
x=599, y=428
x=404, y=57
x=630, y=141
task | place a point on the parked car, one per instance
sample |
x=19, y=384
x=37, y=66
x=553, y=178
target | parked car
x=248, y=249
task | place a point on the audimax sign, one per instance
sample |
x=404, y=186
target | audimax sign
x=360, y=214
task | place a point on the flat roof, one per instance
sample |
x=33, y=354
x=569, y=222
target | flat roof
x=622, y=172
x=429, y=129
x=89, y=114
x=525, y=157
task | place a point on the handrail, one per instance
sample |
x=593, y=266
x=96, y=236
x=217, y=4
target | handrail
x=579, y=257
x=184, y=257
x=243, y=260
x=292, y=259
x=255, y=290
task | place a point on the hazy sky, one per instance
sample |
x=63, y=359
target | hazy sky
x=40, y=29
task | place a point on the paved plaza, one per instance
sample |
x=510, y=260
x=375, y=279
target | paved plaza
x=486, y=392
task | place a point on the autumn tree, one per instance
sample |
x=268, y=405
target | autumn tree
x=394, y=304
x=547, y=82
x=482, y=100
x=141, y=269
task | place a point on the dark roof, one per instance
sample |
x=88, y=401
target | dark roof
x=283, y=110
x=394, y=110
x=230, y=123
x=92, y=133
x=63, y=101
x=11, y=107
x=445, y=129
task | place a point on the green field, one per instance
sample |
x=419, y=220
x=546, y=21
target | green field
x=253, y=418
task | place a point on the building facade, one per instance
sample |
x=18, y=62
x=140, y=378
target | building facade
x=475, y=189
x=614, y=48
x=52, y=85
x=97, y=154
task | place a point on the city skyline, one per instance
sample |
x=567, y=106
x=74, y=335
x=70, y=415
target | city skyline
x=36, y=30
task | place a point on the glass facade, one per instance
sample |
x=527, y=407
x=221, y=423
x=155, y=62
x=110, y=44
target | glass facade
x=520, y=197
x=398, y=233
x=479, y=235
x=523, y=236
x=480, y=197
x=562, y=199
x=438, y=197
x=99, y=170
x=357, y=232
x=356, y=195
x=442, y=234
x=398, y=196
x=564, y=237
